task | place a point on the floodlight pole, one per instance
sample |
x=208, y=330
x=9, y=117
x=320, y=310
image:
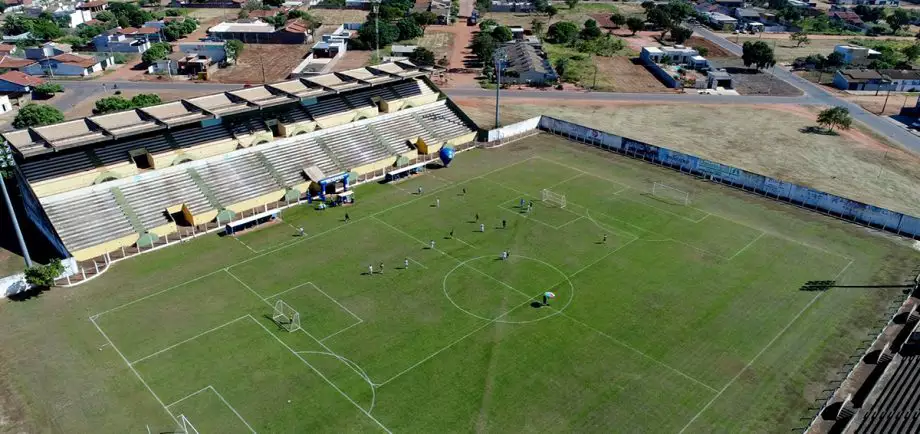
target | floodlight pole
x=6, y=165
x=499, y=58
x=376, y=6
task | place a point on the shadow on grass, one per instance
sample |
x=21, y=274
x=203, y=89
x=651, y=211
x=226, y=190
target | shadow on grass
x=818, y=130
x=28, y=294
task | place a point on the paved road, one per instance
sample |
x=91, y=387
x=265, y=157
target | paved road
x=77, y=91
x=882, y=125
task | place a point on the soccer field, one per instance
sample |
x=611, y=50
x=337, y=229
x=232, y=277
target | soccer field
x=676, y=310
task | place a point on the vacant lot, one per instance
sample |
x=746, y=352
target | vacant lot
x=622, y=74
x=786, y=50
x=441, y=43
x=263, y=63
x=339, y=16
x=851, y=164
x=748, y=81
x=581, y=13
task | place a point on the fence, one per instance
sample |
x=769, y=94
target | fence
x=826, y=203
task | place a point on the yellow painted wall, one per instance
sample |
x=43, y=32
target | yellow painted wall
x=462, y=139
x=200, y=219
x=334, y=120
x=391, y=106
x=290, y=130
x=410, y=154
x=65, y=183
x=252, y=139
x=168, y=228
x=419, y=100
x=211, y=149
x=367, y=168
x=366, y=113
x=303, y=187
x=258, y=201
x=110, y=246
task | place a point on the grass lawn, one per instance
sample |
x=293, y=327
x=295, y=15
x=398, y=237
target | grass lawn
x=786, y=51
x=580, y=67
x=667, y=315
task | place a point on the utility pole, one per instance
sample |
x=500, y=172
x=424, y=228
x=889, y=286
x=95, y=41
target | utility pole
x=376, y=6
x=6, y=166
x=499, y=58
x=886, y=99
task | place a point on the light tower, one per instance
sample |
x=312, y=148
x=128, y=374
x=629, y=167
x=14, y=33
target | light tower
x=500, y=60
x=7, y=168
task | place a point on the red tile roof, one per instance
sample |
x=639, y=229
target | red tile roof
x=14, y=62
x=297, y=26
x=74, y=59
x=93, y=4
x=848, y=16
x=7, y=48
x=21, y=79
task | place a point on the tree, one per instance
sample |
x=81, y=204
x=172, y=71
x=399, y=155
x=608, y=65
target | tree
x=145, y=100
x=409, y=29
x=911, y=52
x=46, y=30
x=562, y=32
x=758, y=54
x=158, y=51
x=560, y=65
x=422, y=56
x=424, y=19
x=835, y=117
x=834, y=60
x=648, y=5
x=868, y=14
x=16, y=24
x=487, y=24
x=634, y=24
x=42, y=276
x=130, y=14
x=897, y=19
x=502, y=34
x=702, y=50
x=571, y=3
x=368, y=36
x=551, y=12
x=680, y=34
x=483, y=5
x=48, y=89
x=799, y=38
x=36, y=115
x=618, y=19
x=111, y=104
x=484, y=46
x=234, y=49
x=105, y=16
x=591, y=30
x=88, y=32
x=537, y=27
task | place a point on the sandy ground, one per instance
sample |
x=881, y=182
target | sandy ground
x=85, y=107
x=874, y=103
x=852, y=164
x=786, y=50
x=263, y=63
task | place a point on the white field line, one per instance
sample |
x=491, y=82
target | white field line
x=570, y=222
x=417, y=262
x=778, y=235
x=244, y=243
x=318, y=372
x=746, y=246
x=189, y=395
x=571, y=178
x=582, y=171
x=137, y=374
x=708, y=214
x=682, y=217
x=275, y=249
x=526, y=216
x=464, y=242
x=603, y=257
x=336, y=302
x=187, y=340
x=342, y=330
x=762, y=350
x=286, y=291
x=233, y=409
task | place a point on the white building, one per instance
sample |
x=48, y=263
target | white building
x=856, y=55
x=678, y=54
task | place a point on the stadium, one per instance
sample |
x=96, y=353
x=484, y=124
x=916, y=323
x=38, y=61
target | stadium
x=351, y=253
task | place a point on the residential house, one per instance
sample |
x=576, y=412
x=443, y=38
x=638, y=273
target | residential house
x=93, y=5
x=526, y=65
x=295, y=31
x=7, y=49
x=858, y=79
x=677, y=54
x=848, y=19
x=720, y=21
x=902, y=80
x=48, y=49
x=402, y=50
x=14, y=5
x=216, y=51
x=358, y=4
x=324, y=55
x=65, y=13
x=9, y=63
x=855, y=55
x=15, y=82
x=16, y=38
x=114, y=41
x=70, y=65
x=441, y=9
x=511, y=6
x=5, y=104
x=209, y=4
x=149, y=34
x=884, y=3
x=729, y=3
x=721, y=78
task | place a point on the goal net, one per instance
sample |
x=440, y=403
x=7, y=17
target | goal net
x=286, y=316
x=670, y=193
x=554, y=198
x=186, y=427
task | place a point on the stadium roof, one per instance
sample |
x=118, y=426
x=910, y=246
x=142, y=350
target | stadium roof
x=37, y=141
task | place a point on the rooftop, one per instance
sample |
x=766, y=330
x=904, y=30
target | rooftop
x=21, y=79
x=243, y=27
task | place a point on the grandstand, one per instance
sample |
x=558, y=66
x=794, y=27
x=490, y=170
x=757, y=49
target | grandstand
x=112, y=181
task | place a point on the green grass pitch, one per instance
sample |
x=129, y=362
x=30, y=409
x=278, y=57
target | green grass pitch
x=688, y=318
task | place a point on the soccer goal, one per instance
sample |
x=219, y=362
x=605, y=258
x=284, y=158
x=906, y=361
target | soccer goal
x=286, y=316
x=186, y=427
x=554, y=198
x=673, y=194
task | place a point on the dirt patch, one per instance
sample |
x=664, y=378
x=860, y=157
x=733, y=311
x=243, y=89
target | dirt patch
x=353, y=59
x=339, y=16
x=622, y=74
x=749, y=81
x=439, y=42
x=852, y=164
x=874, y=104
x=263, y=63
x=712, y=50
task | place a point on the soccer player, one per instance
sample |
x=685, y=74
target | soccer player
x=522, y=203
x=381, y=268
x=504, y=223
x=437, y=203
x=482, y=227
x=477, y=216
x=347, y=218
x=300, y=231
x=464, y=191
x=406, y=263
x=504, y=255
x=605, y=238
x=431, y=246
x=370, y=270
x=451, y=235
x=420, y=190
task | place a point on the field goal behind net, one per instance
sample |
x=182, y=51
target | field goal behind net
x=186, y=427
x=554, y=198
x=286, y=316
x=673, y=194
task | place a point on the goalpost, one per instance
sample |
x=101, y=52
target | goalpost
x=668, y=192
x=554, y=198
x=286, y=316
x=186, y=427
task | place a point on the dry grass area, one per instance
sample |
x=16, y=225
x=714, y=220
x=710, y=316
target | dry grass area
x=786, y=51
x=207, y=14
x=621, y=74
x=874, y=104
x=440, y=43
x=339, y=16
x=85, y=107
x=762, y=139
x=581, y=13
x=263, y=63
x=353, y=59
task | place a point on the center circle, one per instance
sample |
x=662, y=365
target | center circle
x=480, y=301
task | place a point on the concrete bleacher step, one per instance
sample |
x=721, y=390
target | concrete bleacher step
x=212, y=198
x=94, y=158
x=338, y=164
x=271, y=169
x=128, y=211
x=425, y=125
x=379, y=142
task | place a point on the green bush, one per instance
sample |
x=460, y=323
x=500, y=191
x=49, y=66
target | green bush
x=42, y=276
